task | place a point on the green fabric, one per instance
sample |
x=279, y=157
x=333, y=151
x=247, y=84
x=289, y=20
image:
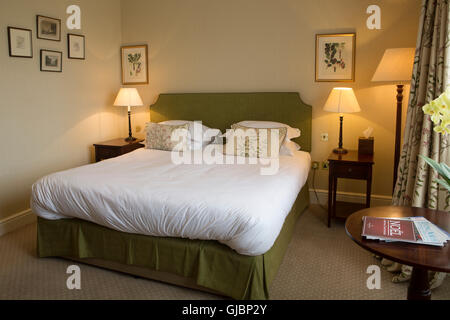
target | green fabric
x=210, y=263
x=221, y=110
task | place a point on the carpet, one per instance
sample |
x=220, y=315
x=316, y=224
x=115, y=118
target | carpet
x=320, y=263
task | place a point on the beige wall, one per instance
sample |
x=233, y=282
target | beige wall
x=48, y=121
x=269, y=45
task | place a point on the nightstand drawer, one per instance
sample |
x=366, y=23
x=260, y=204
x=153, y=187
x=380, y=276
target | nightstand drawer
x=131, y=147
x=105, y=153
x=351, y=171
x=114, y=148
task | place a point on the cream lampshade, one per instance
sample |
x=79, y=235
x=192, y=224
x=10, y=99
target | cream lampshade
x=342, y=100
x=396, y=67
x=128, y=97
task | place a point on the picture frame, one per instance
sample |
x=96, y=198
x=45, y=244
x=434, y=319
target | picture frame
x=48, y=28
x=134, y=62
x=20, y=42
x=335, y=57
x=51, y=61
x=76, y=46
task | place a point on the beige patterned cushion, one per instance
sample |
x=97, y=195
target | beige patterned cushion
x=255, y=142
x=159, y=136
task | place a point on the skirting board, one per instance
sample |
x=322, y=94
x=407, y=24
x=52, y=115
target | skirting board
x=375, y=200
x=16, y=221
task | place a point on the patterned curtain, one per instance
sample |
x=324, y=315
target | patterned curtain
x=431, y=75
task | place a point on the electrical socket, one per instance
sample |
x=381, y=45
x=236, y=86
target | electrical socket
x=324, y=137
x=315, y=165
x=325, y=165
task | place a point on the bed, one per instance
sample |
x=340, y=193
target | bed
x=226, y=258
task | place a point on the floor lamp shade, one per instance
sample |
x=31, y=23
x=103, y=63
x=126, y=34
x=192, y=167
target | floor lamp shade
x=128, y=97
x=396, y=67
x=342, y=100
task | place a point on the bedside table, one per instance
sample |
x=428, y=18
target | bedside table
x=114, y=148
x=349, y=166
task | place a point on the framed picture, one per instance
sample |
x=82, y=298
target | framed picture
x=335, y=57
x=134, y=64
x=20, y=42
x=51, y=61
x=48, y=28
x=75, y=46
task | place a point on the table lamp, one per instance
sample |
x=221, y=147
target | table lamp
x=396, y=67
x=128, y=97
x=341, y=100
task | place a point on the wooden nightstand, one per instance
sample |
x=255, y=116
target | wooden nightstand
x=350, y=166
x=114, y=148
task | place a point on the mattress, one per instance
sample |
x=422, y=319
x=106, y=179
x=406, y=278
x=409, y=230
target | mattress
x=144, y=192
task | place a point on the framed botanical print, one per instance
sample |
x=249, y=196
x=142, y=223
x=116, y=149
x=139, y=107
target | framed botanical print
x=134, y=64
x=51, y=61
x=335, y=57
x=20, y=42
x=75, y=46
x=48, y=28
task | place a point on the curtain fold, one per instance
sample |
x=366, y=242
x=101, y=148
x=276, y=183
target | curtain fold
x=416, y=184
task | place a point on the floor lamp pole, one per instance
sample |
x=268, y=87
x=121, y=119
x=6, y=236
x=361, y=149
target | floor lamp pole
x=398, y=132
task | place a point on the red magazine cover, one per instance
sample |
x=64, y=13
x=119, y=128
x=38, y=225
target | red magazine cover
x=387, y=228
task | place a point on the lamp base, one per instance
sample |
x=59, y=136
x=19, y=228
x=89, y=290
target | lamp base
x=130, y=139
x=340, y=151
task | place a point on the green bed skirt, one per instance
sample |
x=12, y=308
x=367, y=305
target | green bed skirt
x=209, y=263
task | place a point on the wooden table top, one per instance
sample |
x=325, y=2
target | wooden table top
x=416, y=255
x=120, y=142
x=352, y=156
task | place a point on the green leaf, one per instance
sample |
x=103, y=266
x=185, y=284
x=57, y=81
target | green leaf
x=436, y=166
x=444, y=184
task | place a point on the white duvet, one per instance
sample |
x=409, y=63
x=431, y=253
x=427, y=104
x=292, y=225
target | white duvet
x=143, y=192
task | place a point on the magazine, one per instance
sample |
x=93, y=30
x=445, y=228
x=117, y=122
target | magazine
x=411, y=229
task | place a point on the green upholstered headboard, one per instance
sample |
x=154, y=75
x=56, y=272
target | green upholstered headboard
x=221, y=110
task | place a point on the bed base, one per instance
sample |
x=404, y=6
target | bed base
x=197, y=264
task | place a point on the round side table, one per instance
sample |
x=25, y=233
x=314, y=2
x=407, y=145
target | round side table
x=421, y=257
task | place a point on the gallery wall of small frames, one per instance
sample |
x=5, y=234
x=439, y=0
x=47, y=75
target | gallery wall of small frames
x=20, y=43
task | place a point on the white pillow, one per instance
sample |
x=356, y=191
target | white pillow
x=289, y=148
x=197, y=145
x=206, y=135
x=291, y=134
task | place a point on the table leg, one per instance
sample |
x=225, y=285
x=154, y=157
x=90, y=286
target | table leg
x=419, y=287
x=334, y=195
x=368, y=191
x=330, y=197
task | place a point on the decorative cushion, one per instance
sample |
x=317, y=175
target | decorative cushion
x=166, y=137
x=254, y=142
x=291, y=132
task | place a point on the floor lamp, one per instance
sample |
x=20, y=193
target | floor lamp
x=396, y=67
